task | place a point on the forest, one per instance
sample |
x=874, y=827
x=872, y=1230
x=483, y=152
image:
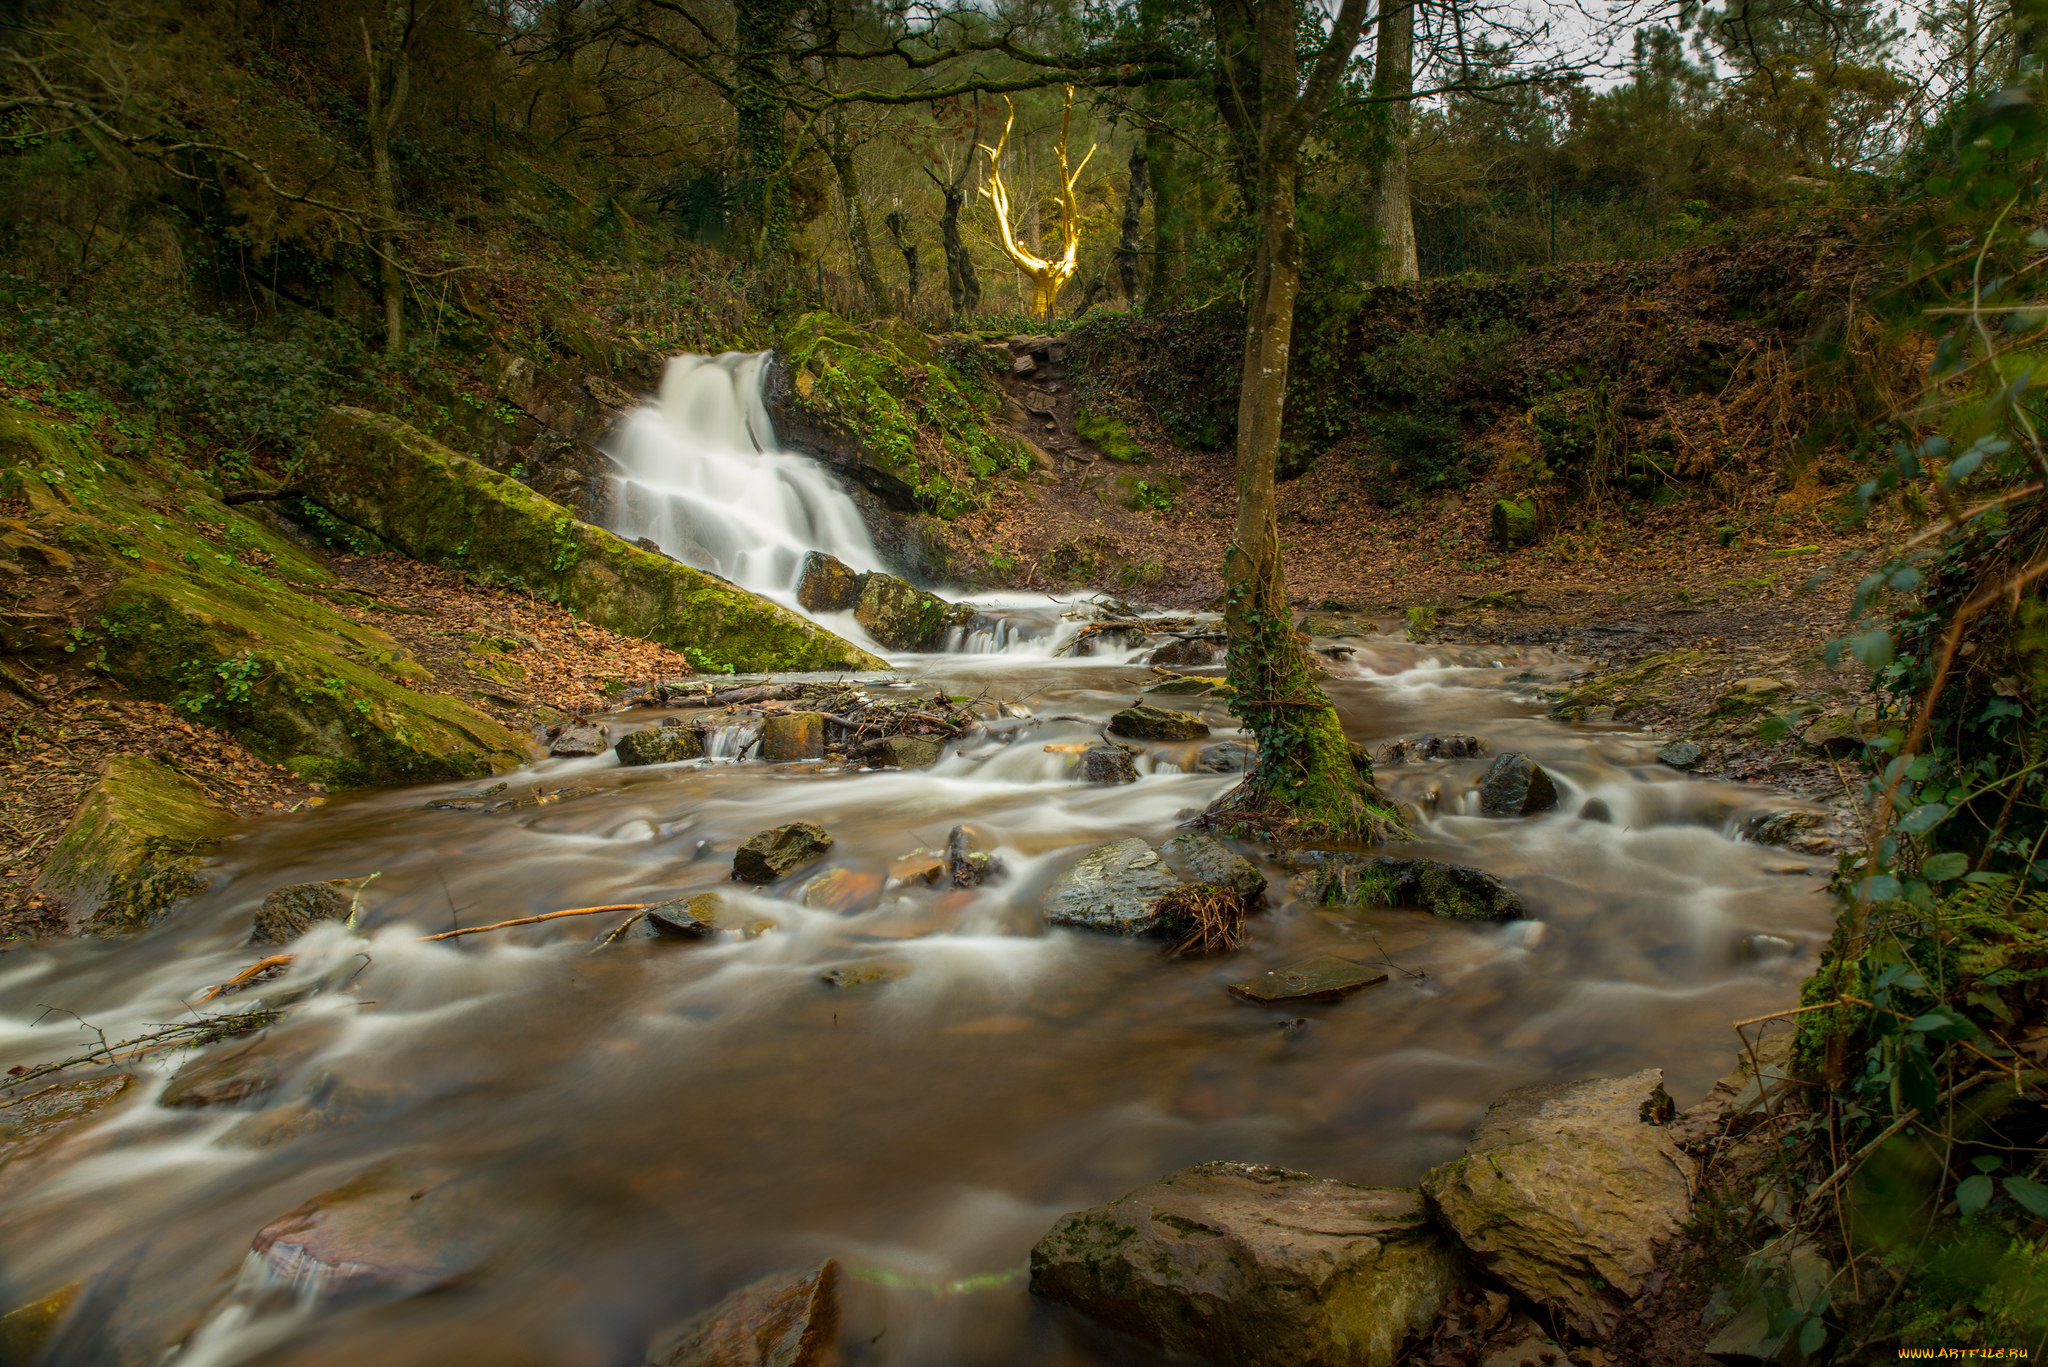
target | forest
x=1077, y=682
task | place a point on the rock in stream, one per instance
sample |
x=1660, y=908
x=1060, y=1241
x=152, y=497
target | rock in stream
x=773, y=853
x=1515, y=785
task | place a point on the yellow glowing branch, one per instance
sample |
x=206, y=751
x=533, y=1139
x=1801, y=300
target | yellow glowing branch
x=1047, y=276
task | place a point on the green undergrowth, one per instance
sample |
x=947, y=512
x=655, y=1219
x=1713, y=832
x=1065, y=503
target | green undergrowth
x=922, y=411
x=219, y=616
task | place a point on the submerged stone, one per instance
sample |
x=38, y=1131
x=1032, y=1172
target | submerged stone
x=862, y=974
x=290, y=911
x=788, y=1320
x=1324, y=978
x=828, y=584
x=243, y=1071
x=1419, y=748
x=1255, y=1266
x=1515, y=785
x=843, y=890
x=405, y=1229
x=27, y=1329
x=35, y=1123
x=661, y=745
x=1107, y=763
x=771, y=854
x=793, y=736
x=1568, y=1190
x=1115, y=887
x=1145, y=722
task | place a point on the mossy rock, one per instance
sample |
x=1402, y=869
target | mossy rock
x=1110, y=437
x=134, y=848
x=1515, y=523
x=447, y=509
x=902, y=616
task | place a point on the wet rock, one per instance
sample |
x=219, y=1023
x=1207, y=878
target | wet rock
x=1107, y=763
x=842, y=890
x=1420, y=748
x=1515, y=785
x=1205, y=859
x=787, y=1320
x=1324, y=978
x=134, y=849
x=290, y=911
x=1187, y=652
x=909, y=752
x=1567, y=1191
x=1253, y=1265
x=865, y=974
x=661, y=745
x=1225, y=757
x=1679, y=754
x=580, y=738
x=683, y=918
x=1801, y=832
x=1457, y=891
x=27, y=1329
x=967, y=867
x=1188, y=686
x=1145, y=722
x=771, y=854
x=1114, y=887
x=1596, y=810
x=713, y=910
x=793, y=736
x=404, y=1229
x=244, y=1070
x=829, y=584
x=902, y=616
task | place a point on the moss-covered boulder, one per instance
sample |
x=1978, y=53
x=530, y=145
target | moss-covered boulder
x=1254, y=1265
x=771, y=854
x=379, y=474
x=902, y=616
x=1515, y=523
x=828, y=584
x=1457, y=891
x=232, y=624
x=661, y=745
x=134, y=849
x=1146, y=722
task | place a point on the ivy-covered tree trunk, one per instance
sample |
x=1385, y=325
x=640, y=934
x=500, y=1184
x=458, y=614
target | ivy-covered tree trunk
x=1134, y=212
x=390, y=82
x=1305, y=785
x=962, y=283
x=840, y=153
x=764, y=216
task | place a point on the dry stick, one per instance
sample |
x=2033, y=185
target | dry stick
x=530, y=920
x=260, y=966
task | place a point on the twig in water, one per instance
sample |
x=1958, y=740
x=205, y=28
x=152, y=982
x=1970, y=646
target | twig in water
x=547, y=916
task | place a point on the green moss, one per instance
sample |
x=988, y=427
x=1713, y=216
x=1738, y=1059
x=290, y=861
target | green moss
x=1110, y=436
x=1640, y=684
x=924, y=420
x=378, y=473
x=132, y=850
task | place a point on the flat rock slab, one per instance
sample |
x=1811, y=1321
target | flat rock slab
x=1254, y=1266
x=1322, y=979
x=1568, y=1190
x=1146, y=722
x=1115, y=887
x=788, y=1320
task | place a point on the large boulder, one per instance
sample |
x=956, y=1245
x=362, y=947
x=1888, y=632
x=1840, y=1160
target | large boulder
x=902, y=616
x=1145, y=722
x=1515, y=785
x=790, y=1319
x=771, y=854
x=1568, y=1190
x=828, y=584
x=1116, y=887
x=133, y=849
x=660, y=745
x=379, y=474
x=1255, y=1266
x=405, y=1229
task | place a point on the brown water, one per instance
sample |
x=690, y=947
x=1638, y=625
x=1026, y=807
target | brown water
x=640, y=1131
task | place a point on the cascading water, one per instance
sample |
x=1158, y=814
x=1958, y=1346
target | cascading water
x=703, y=478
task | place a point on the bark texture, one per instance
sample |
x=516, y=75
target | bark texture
x=390, y=82
x=1393, y=79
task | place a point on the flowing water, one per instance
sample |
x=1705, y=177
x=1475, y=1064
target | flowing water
x=617, y=1139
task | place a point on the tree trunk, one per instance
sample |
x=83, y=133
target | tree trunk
x=390, y=81
x=894, y=223
x=1306, y=785
x=1169, y=221
x=764, y=205
x=841, y=157
x=1393, y=75
x=963, y=286
x=1134, y=213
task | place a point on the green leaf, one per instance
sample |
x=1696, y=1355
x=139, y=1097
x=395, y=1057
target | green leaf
x=1812, y=1335
x=2032, y=1195
x=1878, y=888
x=1942, y=1023
x=1942, y=867
x=1922, y=819
x=1989, y=1162
x=1973, y=1194
x=1915, y=1084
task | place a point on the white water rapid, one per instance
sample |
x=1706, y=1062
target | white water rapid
x=703, y=478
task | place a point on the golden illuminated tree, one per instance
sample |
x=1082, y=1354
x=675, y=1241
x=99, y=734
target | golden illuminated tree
x=1047, y=276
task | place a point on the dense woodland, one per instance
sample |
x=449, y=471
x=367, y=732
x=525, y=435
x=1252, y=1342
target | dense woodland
x=1456, y=293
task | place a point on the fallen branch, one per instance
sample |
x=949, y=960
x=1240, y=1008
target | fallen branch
x=532, y=920
x=255, y=970
x=206, y=1030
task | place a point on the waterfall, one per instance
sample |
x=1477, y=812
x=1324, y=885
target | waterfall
x=702, y=477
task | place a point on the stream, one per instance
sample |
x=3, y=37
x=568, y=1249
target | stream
x=625, y=1136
